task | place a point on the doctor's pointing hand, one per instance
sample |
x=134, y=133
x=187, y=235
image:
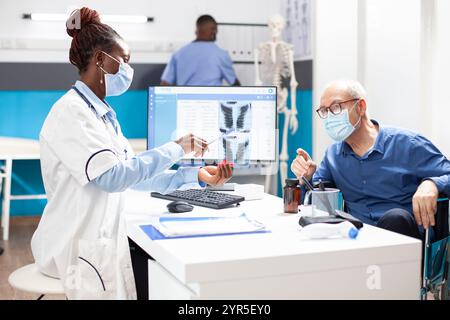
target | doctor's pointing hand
x=211, y=175
x=87, y=163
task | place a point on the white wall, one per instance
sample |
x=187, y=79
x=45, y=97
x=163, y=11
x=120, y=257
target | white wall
x=392, y=66
x=336, y=55
x=174, y=25
x=440, y=97
x=399, y=50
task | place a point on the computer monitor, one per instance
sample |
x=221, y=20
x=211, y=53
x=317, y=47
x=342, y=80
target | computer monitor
x=239, y=123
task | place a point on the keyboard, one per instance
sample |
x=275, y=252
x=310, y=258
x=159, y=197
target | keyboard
x=201, y=197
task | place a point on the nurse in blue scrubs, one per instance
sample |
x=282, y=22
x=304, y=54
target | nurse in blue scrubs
x=201, y=62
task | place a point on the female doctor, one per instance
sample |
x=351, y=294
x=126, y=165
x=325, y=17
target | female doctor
x=86, y=164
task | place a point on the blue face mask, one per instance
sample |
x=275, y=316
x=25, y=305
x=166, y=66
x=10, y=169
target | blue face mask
x=338, y=126
x=118, y=83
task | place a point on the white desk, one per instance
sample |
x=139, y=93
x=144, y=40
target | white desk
x=14, y=149
x=276, y=265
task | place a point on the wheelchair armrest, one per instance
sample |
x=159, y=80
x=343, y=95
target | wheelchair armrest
x=327, y=184
x=443, y=197
x=441, y=228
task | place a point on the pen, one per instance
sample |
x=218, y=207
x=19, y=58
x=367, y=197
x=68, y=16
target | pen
x=220, y=136
x=308, y=185
x=321, y=185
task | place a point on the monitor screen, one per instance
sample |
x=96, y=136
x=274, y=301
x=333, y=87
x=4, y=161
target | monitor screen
x=239, y=123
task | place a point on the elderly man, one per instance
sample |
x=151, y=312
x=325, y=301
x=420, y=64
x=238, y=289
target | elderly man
x=389, y=177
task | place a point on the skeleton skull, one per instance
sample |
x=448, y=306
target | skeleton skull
x=276, y=25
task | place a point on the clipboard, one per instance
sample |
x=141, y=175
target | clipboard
x=154, y=234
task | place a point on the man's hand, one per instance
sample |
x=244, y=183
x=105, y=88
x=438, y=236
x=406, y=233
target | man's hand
x=303, y=165
x=425, y=203
x=216, y=176
x=191, y=143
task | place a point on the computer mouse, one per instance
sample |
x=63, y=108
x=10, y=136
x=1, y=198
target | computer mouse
x=179, y=206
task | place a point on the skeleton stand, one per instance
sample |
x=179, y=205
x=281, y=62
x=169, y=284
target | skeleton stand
x=277, y=58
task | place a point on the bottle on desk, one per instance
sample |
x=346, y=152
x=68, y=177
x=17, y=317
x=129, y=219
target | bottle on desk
x=292, y=194
x=326, y=230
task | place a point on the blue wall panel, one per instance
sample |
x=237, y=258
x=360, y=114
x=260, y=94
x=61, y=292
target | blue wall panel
x=131, y=109
x=303, y=137
x=23, y=112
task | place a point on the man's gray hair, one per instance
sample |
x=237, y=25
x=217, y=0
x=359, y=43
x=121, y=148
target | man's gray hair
x=353, y=87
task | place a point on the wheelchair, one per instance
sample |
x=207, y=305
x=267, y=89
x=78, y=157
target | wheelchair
x=436, y=251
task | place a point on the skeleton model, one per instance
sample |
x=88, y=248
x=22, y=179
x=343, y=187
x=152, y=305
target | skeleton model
x=235, y=124
x=277, y=63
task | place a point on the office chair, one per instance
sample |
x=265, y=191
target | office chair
x=436, y=251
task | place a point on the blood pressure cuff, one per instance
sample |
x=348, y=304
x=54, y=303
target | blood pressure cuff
x=340, y=217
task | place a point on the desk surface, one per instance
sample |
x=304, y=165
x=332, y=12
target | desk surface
x=283, y=251
x=18, y=148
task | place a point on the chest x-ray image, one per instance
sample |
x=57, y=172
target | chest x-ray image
x=235, y=124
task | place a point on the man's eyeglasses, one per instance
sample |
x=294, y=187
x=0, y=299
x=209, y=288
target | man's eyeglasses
x=335, y=108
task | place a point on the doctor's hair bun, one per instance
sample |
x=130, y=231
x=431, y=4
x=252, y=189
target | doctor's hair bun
x=81, y=18
x=89, y=35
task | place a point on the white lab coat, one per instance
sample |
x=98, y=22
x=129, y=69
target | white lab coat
x=81, y=237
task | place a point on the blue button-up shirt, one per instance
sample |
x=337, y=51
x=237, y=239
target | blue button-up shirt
x=200, y=63
x=387, y=176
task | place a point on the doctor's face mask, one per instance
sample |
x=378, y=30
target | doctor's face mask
x=119, y=82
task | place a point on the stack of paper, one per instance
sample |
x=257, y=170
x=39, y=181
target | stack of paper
x=179, y=226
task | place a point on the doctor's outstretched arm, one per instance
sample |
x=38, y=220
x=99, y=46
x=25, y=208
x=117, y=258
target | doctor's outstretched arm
x=148, y=171
x=187, y=178
x=148, y=164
